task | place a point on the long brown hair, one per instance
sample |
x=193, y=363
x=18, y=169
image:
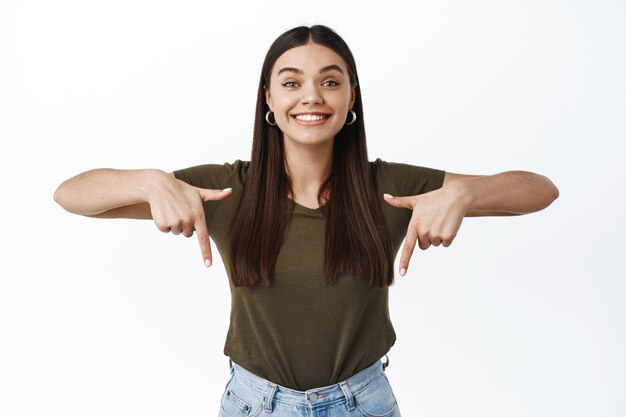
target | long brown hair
x=357, y=238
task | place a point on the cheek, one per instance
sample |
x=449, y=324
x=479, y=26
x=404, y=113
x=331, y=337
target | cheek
x=340, y=101
x=282, y=103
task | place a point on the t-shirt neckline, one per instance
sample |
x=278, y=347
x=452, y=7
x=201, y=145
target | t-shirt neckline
x=307, y=209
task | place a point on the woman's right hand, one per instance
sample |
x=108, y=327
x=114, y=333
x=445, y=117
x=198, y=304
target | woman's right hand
x=174, y=205
x=177, y=208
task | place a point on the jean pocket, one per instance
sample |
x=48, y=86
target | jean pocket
x=239, y=400
x=377, y=398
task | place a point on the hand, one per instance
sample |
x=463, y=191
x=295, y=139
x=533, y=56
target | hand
x=436, y=219
x=177, y=207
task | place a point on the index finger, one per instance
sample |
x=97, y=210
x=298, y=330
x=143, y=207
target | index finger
x=203, y=239
x=408, y=248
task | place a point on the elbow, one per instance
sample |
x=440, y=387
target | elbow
x=554, y=191
x=57, y=195
x=551, y=191
x=555, y=194
x=60, y=196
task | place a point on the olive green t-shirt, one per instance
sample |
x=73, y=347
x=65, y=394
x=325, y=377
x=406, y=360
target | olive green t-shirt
x=299, y=332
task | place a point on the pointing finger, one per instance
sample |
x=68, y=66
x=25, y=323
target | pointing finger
x=203, y=239
x=408, y=248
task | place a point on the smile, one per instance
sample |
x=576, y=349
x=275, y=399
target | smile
x=311, y=118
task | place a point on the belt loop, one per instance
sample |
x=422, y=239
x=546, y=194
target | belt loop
x=269, y=397
x=386, y=364
x=349, y=397
x=230, y=364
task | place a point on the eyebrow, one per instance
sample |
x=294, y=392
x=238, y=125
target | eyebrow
x=327, y=68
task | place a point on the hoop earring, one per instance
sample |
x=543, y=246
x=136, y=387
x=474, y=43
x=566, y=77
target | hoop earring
x=267, y=118
x=353, y=118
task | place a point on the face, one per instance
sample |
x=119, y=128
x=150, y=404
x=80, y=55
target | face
x=310, y=94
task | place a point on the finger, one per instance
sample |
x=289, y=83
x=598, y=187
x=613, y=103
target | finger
x=424, y=242
x=176, y=228
x=164, y=229
x=203, y=239
x=403, y=202
x=447, y=242
x=208, y=194
x=188, y=222
x=408, y=248
x=188, y=229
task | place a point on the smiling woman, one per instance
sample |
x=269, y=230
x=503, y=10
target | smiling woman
x=308, y=227
x=328, y=94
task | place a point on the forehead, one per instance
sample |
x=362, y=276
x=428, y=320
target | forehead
x=309, y=58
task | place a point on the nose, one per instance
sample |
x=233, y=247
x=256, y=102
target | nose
x=311, y=94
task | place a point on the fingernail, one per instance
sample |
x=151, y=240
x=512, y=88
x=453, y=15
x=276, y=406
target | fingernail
x=227, y=189
x=403, y=271
x=207, y=263
x=387, y=196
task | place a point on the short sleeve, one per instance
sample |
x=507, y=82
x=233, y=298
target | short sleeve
x=218, y=177
x=212, y=176
x=408, y=179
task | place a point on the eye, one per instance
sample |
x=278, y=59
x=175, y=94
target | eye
x=330, y=83
x=290, y=84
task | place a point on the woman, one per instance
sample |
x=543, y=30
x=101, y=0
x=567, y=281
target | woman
x=309, y=229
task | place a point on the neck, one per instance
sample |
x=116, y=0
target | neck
x=308, y=167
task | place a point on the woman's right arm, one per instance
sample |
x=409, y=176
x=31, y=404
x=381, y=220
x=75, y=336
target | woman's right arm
x=174, y=205
x=110, y=193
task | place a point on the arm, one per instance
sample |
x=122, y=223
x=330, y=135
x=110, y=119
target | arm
x=109, y=193
x=437, y=215
x=174, y=205
x=504, y=194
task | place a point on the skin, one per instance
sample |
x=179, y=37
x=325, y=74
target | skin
x=309, y=79
x=174, y=205
x=437, y=215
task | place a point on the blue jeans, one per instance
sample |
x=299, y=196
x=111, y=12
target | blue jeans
x=365, y=394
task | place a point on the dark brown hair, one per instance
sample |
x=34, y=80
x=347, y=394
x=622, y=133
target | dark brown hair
x=357, y=239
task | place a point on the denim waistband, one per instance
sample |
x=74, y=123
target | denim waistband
x=312, y=397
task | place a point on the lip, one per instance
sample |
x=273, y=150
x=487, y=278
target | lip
x=311, y=122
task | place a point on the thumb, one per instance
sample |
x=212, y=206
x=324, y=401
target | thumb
x=209, y=194
x=403, y=202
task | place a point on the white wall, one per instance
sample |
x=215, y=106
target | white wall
x=519, y=317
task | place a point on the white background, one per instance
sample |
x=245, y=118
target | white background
x=521, y=316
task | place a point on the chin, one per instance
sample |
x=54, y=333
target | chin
x=309, y=139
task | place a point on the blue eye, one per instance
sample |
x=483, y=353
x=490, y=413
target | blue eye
x=290, y=84
x=331, y=82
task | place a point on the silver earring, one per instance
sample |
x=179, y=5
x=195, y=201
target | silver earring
x=353, y=118
x=267, y=118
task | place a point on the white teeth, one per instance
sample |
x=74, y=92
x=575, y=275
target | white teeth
x=309, y=117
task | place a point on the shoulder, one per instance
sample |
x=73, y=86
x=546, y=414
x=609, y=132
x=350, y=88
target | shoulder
x=385, y=167
x=229, y=174
x=406, y=179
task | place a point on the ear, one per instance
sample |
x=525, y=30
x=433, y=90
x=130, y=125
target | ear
x=268, y=98
x=352, y=97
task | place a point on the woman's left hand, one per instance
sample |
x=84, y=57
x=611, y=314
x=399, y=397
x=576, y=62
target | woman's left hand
x=436, y=219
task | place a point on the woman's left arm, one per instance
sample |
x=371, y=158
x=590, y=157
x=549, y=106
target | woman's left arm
x=504, y=194
x=437, y=215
